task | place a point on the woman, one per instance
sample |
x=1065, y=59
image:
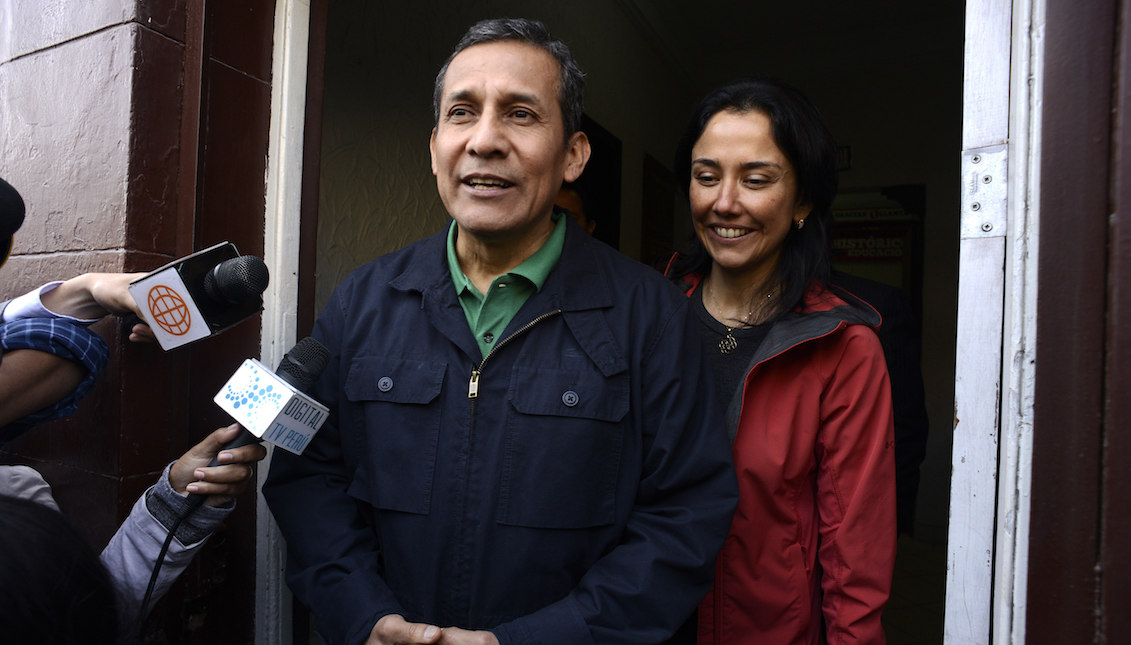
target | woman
x=799, y=371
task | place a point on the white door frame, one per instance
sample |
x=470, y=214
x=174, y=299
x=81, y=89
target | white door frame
x=280, y=301
x=987, y=560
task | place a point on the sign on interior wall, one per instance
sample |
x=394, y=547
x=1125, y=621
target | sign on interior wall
x=877, y=235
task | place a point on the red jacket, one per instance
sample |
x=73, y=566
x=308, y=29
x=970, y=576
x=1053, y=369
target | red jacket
x=812, y=544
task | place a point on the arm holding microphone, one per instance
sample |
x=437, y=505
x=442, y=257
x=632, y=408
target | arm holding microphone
x=91, y=296
x=196, y=491
x=132, y=552
x=54, y=359
x=196, y=473
x=84, y=300
x=50, y=359
x=48, y=365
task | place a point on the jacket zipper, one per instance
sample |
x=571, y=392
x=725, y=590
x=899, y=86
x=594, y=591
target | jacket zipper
x=473, y=383
x=473, y=393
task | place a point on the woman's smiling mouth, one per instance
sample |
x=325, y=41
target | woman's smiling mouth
x=728, y=232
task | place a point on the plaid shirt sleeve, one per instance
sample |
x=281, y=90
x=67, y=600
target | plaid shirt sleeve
x=62, y=338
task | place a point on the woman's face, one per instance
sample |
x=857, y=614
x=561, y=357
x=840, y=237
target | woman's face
x=743, y=194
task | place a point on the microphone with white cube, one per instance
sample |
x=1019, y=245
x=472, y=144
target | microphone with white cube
x=273, y=406
x=269, y=406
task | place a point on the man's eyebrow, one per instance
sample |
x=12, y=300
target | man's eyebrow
x=518, y=97
x=513, y=97
x=460, y=95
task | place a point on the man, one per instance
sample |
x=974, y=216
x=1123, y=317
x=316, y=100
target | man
x=523, y=446
x=48, y=358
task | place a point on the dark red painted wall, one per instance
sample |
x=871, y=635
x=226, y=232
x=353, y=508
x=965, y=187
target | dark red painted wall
x=1080, y=535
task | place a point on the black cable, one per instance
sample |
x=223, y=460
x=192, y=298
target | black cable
x=194, y=503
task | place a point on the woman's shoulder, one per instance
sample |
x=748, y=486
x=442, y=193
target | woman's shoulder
x=822, y=299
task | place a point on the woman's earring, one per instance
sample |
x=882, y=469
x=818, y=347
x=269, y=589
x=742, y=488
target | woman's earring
x=801, y=223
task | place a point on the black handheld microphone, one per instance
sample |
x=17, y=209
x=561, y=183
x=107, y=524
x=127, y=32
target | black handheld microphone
x=266, y=410
x=200, y=295
x=236, y=281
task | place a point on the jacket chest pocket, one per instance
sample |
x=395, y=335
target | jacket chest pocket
x=397, y=422
x=562, y=452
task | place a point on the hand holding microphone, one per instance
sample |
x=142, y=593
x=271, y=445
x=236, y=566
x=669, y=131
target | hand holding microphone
x=214, y=470
x=209, y=480
x=94, y=295
x=267, y=406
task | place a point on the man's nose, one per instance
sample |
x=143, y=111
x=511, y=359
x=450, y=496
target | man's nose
x=488, y=137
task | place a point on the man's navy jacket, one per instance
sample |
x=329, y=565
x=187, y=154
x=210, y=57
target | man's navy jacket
x=580, y=496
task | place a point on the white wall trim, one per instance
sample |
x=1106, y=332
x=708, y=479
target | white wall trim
x=1011, y=561
x=987, y=562
x=984, y=225
x=280, y=301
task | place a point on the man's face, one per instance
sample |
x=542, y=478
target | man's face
x=497, y=149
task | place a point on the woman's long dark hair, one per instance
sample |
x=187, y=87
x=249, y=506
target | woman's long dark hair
x=801, y=134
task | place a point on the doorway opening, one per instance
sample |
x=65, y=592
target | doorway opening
x=887, y=77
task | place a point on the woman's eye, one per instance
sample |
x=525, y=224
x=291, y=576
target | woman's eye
x=706, y=179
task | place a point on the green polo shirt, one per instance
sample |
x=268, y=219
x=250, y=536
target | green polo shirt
x=488, y=315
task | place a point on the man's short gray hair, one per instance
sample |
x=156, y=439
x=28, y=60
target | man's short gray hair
x=571, y=81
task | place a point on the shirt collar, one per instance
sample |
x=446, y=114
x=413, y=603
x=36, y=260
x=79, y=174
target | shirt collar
x=535, y=268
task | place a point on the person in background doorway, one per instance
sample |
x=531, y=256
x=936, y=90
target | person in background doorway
x=900, y=338
x=570, y=199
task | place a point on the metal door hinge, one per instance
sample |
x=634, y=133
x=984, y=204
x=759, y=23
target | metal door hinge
x=984, y=192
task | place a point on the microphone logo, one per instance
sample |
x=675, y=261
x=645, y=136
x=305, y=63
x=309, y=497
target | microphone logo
x=270, y=406
x=169, y=311
x=201, y=294
x=251, y=394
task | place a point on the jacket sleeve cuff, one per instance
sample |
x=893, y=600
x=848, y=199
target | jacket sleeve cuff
x=558, y=624
x=166, y=505
x=30, y=305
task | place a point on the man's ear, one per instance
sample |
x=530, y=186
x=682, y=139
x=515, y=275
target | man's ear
x=432, y=149
x=577, y=155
